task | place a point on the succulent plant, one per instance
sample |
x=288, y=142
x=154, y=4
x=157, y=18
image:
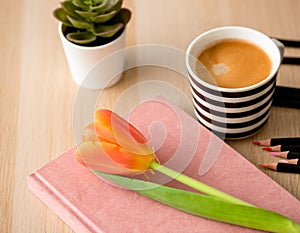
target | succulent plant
x=90, y=21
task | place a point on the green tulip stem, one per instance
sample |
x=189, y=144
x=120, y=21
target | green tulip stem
x=204, y=188
x=207, y=206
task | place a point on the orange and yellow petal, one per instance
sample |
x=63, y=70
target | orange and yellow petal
x=109, y=158
x=111, y=127
x=126, y=159
x=103, y=125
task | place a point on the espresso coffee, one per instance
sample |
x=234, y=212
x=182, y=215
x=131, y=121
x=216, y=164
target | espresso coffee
x=233, y=63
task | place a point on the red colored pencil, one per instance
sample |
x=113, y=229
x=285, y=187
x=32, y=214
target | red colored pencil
x=278, y=148
x=278, y=141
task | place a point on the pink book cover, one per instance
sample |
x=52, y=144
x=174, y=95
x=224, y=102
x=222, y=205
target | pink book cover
x=89, y=204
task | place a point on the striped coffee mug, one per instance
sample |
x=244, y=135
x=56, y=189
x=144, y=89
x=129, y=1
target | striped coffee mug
x=232, y=113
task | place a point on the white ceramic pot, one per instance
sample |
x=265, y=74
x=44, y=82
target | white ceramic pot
x=82, y=59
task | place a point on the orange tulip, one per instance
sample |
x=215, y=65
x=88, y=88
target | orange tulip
x=113, y=145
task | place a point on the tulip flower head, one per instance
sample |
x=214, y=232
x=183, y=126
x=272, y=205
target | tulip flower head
x=113, y=145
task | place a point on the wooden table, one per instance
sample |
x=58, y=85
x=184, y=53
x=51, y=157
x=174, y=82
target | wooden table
x=37, y=93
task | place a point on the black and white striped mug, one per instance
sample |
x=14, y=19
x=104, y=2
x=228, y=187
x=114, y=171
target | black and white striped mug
x=232, y=113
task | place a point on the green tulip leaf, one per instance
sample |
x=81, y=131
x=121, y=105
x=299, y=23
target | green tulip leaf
x=208, y=207
x=79, y=24
x=197, y=185
x=107, y=30
x=81, y=37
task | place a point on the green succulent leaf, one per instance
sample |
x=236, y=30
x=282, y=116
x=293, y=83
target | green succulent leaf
x=87, y=14
x=113, y=5
x=97, y=2
x=100, y=8
x=107, y=30
x=79, y=24
x=123, y=16
x=61, y=15
x=104, y=17
x=80, y=4
x=207, y=206
x=81, y=37
x=70, y=8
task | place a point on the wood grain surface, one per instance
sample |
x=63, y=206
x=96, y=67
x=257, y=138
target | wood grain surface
x=37, y=93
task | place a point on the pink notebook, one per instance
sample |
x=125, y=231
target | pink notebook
x=88, y=204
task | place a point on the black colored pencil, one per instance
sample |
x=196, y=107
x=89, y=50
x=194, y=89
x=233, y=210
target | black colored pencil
x=285, y=141
x=279, y=141
x=286, y=167
x=291, y=61
x=290, y=161
x=294, y=44
x=286, y=154
x=294, y=148
x=286, y=97
x=282, y=167
x=289, y=43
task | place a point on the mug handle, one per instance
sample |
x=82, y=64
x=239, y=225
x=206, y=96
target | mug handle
x=280, y=46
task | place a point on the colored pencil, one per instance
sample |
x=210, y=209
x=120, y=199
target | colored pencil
x=282, y=167
x=290, y=161
x=291, y=60
x=279, y=141
x=278, y=148
x=286, y=154
x=289, y=43
x=287, y=97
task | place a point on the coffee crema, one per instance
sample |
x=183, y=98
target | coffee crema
x=233, y=63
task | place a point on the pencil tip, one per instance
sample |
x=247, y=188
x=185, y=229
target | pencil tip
x=283, y=161
x=256, y=143
x=274, y=153
x=267, y=148
x=263, y=164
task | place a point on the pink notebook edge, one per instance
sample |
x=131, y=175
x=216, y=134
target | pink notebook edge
x=51, y=197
